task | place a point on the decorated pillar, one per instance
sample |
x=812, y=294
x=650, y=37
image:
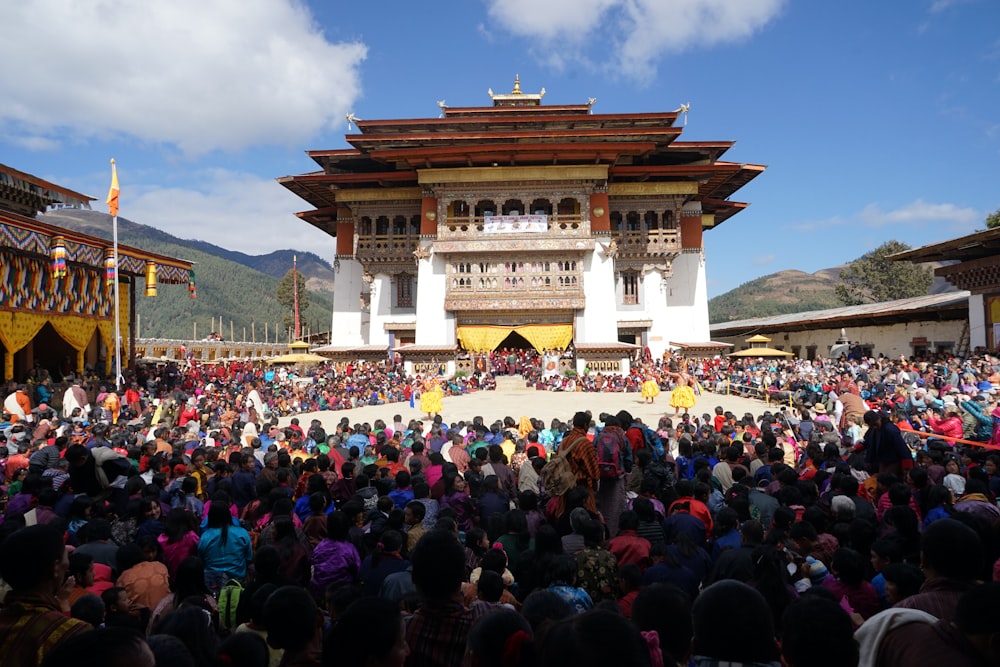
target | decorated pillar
x=600, y=216
x=428, y=216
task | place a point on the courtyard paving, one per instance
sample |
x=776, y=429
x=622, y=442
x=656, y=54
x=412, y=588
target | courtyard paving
x=513, y=399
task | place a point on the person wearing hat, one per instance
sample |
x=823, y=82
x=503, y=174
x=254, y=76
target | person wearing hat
x=821, y=414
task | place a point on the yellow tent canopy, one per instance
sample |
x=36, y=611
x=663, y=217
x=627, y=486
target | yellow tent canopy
x=297, y=358
x=298, y=354
x=761, y=352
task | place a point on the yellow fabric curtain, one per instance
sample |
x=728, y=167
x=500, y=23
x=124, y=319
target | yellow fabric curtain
x=6, y=329
x=77, y=331
x=24, y=327
x=107, y=330
x=547, y=336
x=482, y=338
x=6, y=322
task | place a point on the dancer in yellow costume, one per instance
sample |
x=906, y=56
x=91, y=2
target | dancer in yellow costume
x=113, y=404
x=650, y=388
x=682, y=397
x=430, y=398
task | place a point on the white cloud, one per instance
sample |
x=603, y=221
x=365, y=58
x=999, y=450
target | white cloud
x=938, y=6
x=31, y=143
x=761, y=260
x=236, y=211
x=918, y=212
x=634, y=34
x=223, y=74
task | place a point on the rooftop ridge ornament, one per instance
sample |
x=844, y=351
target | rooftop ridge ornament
x=684, y=108
x=516, y=97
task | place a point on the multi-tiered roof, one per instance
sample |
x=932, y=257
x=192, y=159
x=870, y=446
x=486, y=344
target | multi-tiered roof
x=517, y=130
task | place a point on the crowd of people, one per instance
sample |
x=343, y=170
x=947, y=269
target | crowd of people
x=179, y=523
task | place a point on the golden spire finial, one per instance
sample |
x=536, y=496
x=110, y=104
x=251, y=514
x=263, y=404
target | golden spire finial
x=517, y=85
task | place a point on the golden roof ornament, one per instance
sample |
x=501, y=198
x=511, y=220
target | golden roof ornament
x=517, y=97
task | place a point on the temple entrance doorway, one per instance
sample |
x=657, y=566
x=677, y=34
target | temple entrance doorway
x=514, y=341
x=48, y=350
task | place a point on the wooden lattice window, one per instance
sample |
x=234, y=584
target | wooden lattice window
x=630, y=288
x=404, y=291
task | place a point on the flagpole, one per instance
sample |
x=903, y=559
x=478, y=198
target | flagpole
x=119, y=380
x=295, y=292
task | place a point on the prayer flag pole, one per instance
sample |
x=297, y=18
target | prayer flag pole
x=295, y=293
x=112, y=202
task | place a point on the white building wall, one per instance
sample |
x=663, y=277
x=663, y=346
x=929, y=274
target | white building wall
x=596, y=323
x=890, y=340
x=380, y=310
x=436, y=326
x=346, y=326
x=684, y=318
x=977, y=322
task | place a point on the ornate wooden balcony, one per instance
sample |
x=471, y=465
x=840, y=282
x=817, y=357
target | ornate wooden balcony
x=474, y=227
x=653, y=242
x=387, y=248
x=489, y=291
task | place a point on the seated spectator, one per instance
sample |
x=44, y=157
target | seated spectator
x=380, y=625
x=33, y=621
x=106, y=647
x=596, y=639
x=951, y=557
x=750, y=641
x=438, y=564
x=798, y=641
x=295, y=625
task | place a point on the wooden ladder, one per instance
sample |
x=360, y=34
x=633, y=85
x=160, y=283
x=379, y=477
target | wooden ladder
x=962, y=345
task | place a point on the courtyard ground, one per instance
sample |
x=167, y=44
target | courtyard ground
x=514, y=400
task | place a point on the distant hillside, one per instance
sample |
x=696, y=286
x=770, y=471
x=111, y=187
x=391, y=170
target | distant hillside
x=319, y=274
x=786, y=292
x=231, y=285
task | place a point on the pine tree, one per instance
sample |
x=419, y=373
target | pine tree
x=874, y=277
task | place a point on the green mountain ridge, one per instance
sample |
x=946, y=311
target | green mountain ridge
x=787, y=292
x=232, y=287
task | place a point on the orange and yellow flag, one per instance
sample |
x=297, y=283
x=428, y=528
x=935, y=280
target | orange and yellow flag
x=112, y=200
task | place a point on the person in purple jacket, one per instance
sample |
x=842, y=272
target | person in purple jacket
x=335, y=559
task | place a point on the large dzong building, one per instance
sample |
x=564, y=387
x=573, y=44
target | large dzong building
x=551, y=222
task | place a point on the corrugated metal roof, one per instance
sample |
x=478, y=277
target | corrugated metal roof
x=711, y=344
x=591, y=347
x=929, y=302
x=425, y=348
x=334, y=349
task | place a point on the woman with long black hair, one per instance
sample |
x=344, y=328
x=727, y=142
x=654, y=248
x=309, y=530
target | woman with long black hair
x=225, y=549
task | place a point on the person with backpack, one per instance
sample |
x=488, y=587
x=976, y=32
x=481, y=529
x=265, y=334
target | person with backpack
x=640, y=436
x=576, y=450
x=614, y=460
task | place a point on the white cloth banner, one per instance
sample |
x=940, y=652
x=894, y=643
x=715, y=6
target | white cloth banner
x=516, y=224
x=550, y=365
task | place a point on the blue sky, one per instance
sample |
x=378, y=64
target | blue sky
x=877, y=120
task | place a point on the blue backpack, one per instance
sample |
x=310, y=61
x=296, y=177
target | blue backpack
x=652, y=440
